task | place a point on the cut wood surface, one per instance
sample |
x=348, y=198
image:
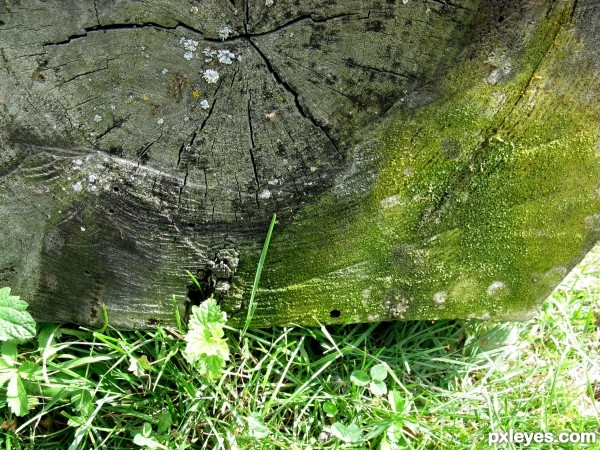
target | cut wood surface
x=426, y=159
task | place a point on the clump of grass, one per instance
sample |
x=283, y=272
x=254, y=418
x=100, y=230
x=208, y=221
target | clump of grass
x=448, y=383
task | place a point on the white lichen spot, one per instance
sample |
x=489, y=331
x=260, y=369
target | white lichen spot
x=269, y=3
x=204, y=104
x=440, y=297
x=211, y=76
x=404, y=2
x=496, y=286
x=189, y=44
x=113, y=107
x=270, y=116
x=313, y=168
x=391, y=201
x=238, y=57
x=164, y=71
x=264, y=195
x=366, y=293
x=78, y=162
x=209, y=55
x=160, y=121
x=194, y=10
x=224, y=32
x=225, y=56
x=97, y=118
x=92, y=179
x=77, y=187
x=82, y=228
x=186, y=119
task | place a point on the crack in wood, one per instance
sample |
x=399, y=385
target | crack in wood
x=99, y=69
x=120, y=26
x=143, y=153
x=96, y=12
x=286, y=86
x=252, y=158
x=116, y=125
x=183, y=185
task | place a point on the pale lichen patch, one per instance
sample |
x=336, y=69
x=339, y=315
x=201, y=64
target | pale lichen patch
x=495, y=287
x=211, y=76
x=224, y=32
x=264, y=195
x=440, y=297
x=389, y=202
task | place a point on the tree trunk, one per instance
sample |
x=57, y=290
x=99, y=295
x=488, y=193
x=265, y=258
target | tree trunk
x=426, y=158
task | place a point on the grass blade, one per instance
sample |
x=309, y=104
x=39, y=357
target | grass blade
x=261, y=263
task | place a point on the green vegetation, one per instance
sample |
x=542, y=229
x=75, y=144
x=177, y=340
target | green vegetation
x=421, y=385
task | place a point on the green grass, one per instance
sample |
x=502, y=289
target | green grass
x=449, y=383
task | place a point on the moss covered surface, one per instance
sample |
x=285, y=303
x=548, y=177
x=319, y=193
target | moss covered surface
x=483, y=201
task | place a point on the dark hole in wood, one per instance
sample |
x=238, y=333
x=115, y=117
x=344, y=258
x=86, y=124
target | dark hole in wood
x=191, y=225
x=500, y=19
x=86, y=272
x=1, y=23
x=116, y=188
x=335, y=313
x=198, y=295
x=41, y=78
x=111, y=211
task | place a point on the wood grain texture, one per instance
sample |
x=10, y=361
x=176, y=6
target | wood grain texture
x=142, y=139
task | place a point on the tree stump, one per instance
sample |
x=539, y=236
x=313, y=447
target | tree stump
x=426, y=159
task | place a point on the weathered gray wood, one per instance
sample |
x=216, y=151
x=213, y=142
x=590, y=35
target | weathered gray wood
x=395, y=140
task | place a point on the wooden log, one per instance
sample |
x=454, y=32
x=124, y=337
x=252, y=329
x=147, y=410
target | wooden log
x=426, y=159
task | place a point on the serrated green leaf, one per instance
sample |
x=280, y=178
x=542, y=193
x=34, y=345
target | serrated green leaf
x=16, y=324
x=214, y=366
x=378, y=387
x=206, y=347
x=209, y=312
x=28, y=369
x=17, y=396
x=359, y=378
x=379, y=372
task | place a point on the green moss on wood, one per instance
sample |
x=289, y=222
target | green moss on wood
x=483, y=201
